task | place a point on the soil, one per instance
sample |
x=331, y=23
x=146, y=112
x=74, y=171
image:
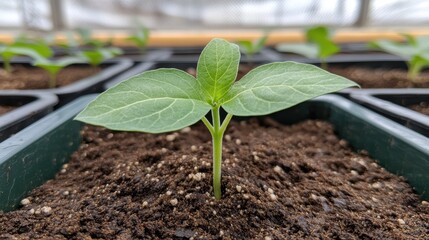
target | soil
x=381, y=78
x=4, y=109
x=423, y=107
x=24, y=77
x=279, y=182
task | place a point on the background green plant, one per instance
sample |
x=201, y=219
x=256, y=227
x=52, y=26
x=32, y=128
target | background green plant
x=140, y=37
x=35, y=50
x=251, y=47
x=415, y=51
x=53, y=67
x=319, y=44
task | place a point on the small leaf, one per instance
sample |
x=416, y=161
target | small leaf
x=327, y=48
x=276, y=86
x=317, y=34
x=395, y=48
x=308, y=50
x=260, y=43
x=246, y=46
x=54, y=66
x=217, y=69
x=155, y=101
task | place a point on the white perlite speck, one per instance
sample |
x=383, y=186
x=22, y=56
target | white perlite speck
x=194, y=148
x=170, y=137
x=376, y=185
x=31, y=211
x=174, y=202
x=25, y=202
x=278, y=169
x=239, y=188
x=238, y=141
x=145, y=204
x=270, y=190
x=46, y=210
x=168, y=193
x=267, y=238
x=401, y=221
x=197, y=176
x=185, y=130
x=228, y=137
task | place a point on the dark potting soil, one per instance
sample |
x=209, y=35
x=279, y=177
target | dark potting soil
x=381, y=78
x=422, y=107
x=23, y=77
x=279, y=182
x=5, y=108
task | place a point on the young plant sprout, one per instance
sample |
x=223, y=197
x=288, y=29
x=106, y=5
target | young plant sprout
x=415, y=50
x=86, y=39
x=54, y=67
x=34, y=50
x=96, y=56
x=140, y=38
x=318, y=45
x=250, y=48
x=166, y=100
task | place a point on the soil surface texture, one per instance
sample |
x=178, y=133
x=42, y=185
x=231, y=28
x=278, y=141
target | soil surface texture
x=279, y=182
x=24, y=77
x=423, y=107
x=381, y=78
x=4, y=109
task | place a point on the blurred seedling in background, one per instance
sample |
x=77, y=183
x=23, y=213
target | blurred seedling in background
x=319, y=45
x=415, y=51
x=251, y=47
x=96, y=56
x=87, y=40
x=140, y=38
x=53, y=67
x=34, y=50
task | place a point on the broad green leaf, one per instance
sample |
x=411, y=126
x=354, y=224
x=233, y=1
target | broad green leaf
x=155, y=101
x=308, y=50
x=217, y=69
x=276, y=86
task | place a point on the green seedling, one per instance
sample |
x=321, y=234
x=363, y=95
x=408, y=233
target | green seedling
x=34, y=50
x=415, y=50
x=86, y=39
x=166, y=100
x=250, y=48
x=53, y=67
x=140, y=38
x=97, y=56
x=318, y=45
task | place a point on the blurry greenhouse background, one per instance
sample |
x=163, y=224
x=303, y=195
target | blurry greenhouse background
x=46, y=15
